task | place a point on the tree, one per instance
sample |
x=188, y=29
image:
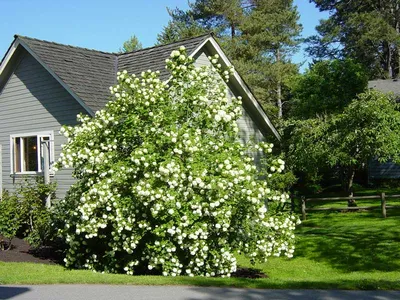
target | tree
x=222, y=17
x=163, y=182
x=326, y=88
x=259, y=37
x=272, y=28
x=130, y=45
x=182, y=26
x=366, y=31
x=367, y=129
x=305, y=147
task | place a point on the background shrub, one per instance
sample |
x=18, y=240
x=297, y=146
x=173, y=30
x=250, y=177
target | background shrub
x=9, y=219
x=24, y=212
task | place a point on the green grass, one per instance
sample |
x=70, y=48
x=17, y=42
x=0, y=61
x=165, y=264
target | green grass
x=355, y=250
x=352, y=241
x=377, y=191
x=336, y=191
x=360, y=203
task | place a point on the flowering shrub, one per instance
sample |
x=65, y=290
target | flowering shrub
x=163, y=182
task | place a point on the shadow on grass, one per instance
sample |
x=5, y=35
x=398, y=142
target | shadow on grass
x=352, y=241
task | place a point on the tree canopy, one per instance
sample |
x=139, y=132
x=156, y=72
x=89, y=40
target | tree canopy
x=368, y=128
x=259, y=36
x=327, y=87
x=182, y=25
x=364, y=30
x=130, y=45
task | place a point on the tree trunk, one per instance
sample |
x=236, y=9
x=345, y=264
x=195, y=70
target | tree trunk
x=352, y=172
x=395, y=62
x=31, y=222
x=351, y=179
x=387, y=68
x=279, y=86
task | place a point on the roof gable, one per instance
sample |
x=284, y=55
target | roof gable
x=87, y=74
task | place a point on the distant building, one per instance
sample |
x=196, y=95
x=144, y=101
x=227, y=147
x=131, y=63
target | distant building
x=387, y=170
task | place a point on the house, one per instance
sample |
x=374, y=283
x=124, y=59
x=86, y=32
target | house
x=386, y=170
x=44, y=85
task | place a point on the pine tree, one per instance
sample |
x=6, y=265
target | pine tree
x=182, y=25
x=364, y=30
x=272, y=28
x=259, y=36
x=130, y=45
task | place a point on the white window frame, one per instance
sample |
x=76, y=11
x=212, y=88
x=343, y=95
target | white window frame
x=39, y=135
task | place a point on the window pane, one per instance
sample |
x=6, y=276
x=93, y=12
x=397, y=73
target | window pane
x=17, y=155
x=30, y=153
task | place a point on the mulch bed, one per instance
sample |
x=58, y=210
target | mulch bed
x=20, y=251
x=249, y=273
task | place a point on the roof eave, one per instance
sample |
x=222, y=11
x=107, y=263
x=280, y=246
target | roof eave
x=19, y=42
x=10, y=52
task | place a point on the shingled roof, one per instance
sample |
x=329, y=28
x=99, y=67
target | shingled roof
x=89, y=73
x=154, y=58
x=385, y=85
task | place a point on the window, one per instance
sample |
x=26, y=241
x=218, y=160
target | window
x=28, y=152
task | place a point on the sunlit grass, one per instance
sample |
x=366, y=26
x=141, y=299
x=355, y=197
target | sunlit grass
x=354, y=250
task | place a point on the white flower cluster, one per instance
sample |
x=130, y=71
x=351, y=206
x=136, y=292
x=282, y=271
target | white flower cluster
x=163, y=183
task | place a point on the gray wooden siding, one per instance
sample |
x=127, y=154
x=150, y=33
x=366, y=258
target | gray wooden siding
x=248, y=129
x=201, y=59
x=387, y=170
x=33, y=101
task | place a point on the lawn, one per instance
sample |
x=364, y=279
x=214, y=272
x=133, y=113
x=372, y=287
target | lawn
x=334, y=192
x=355, y=250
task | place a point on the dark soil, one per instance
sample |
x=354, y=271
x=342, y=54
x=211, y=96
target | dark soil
x=249, y=273
x=20, y=251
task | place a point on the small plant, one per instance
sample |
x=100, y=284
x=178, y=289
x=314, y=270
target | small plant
x=25, y=211
x=10, y=220
x=35, y=217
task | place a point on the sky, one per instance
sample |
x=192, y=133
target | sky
x=106, y=24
